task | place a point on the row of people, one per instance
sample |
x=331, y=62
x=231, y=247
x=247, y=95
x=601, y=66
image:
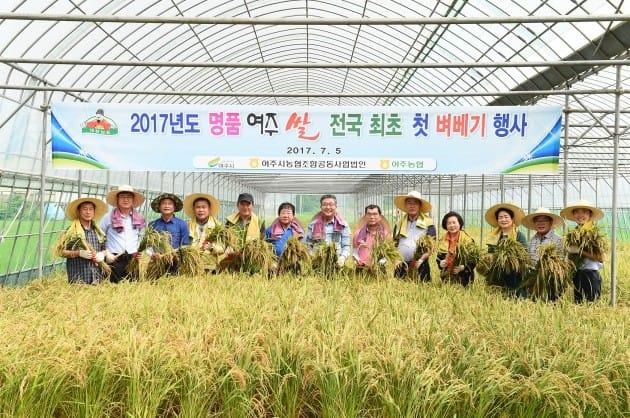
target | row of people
x=115, y=240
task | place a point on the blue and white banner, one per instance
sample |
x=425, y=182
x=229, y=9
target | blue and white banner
x=439, y=140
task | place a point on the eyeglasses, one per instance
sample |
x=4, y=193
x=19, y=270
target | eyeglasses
x=329, y=205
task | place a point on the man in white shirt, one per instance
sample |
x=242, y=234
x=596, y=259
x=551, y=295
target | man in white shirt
x=124, y=227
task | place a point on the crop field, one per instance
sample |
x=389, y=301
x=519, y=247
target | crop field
x=250, y=346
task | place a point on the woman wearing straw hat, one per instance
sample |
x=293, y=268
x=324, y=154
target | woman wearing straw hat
x=202, y=210
x=505, y=218
x=410, y=228
x=83, y=243
x=124, y=227
x=544, y=222
x=588, y=255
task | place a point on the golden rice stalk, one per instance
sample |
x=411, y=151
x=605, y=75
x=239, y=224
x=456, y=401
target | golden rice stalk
x=484, y=263
x=227, y=237
x=551, y=275
x=159, y=265
x=78, y=242
x=295, y=259
x=159, y=242
x=510, y=257
x=591, y=240
x=385, y=258
x=190, y=260
x=425, y=244
x=257, y=257
x=68, y=242
x=325, y=260
x=466, y=253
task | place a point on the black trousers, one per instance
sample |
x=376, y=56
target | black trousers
x=587, y=284
x=119, y=268
x=424, y=271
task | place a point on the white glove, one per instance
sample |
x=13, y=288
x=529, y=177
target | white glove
x=458, y=269
x=85, y=254
x=573, y=249
x=382, y=261
x=149, y=251
x=341, y=261
x=217, y=249
x=99, y=257
x=109, y=257
x=442, y=263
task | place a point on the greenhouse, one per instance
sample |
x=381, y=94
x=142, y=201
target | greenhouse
x=311, y=54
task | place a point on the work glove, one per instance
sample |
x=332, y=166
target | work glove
x=88, y=255
x=382, y=261
x=341, y=261
x=205, y=245
x=99, y=257
x=217, y=249
x=458, y=269
x=109, y=257
x=417, y=263
x=442, y=264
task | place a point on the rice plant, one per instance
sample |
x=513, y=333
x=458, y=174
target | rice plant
x=510, y=257
x=295, y=259
x=551, y=276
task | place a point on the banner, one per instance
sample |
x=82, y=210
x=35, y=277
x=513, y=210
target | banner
x=381, y=140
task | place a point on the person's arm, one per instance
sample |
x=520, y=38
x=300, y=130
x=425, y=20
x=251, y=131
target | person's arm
x=431, y=231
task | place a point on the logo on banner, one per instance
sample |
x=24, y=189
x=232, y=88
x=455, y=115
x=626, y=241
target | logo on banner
x=99, y=124
x=254, y=162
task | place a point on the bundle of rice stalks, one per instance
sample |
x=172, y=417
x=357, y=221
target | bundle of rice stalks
x=466, y=253
x=159, y=242
x=257, y=257
x=425, y=244
x=590, y=239
x=385, y=258
x=190, y=261
x=484, y=263
x=75, y=242
x=225, y=237
x=295, y=258
x=510, y=257
x=551, y=275
x=325, y=260
x=160, y=264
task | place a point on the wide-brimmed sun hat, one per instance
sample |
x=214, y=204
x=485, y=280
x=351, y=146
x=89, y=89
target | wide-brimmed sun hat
x=189, y=202
x=567, y=213
x=528, y=221
x=72, y=210
x=112, y=196
x=155, y=204
x=399, y=201
x=491, y=213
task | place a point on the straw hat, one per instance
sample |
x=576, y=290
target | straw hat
x=72, y=211
x=189, y=201
x=155, y=204
x=399, y=201
x=567, y=213
x=491, y=216
x=528, y=221
x=112, y=196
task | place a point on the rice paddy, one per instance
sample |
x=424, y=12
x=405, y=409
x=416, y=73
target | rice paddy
x=246, y=345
